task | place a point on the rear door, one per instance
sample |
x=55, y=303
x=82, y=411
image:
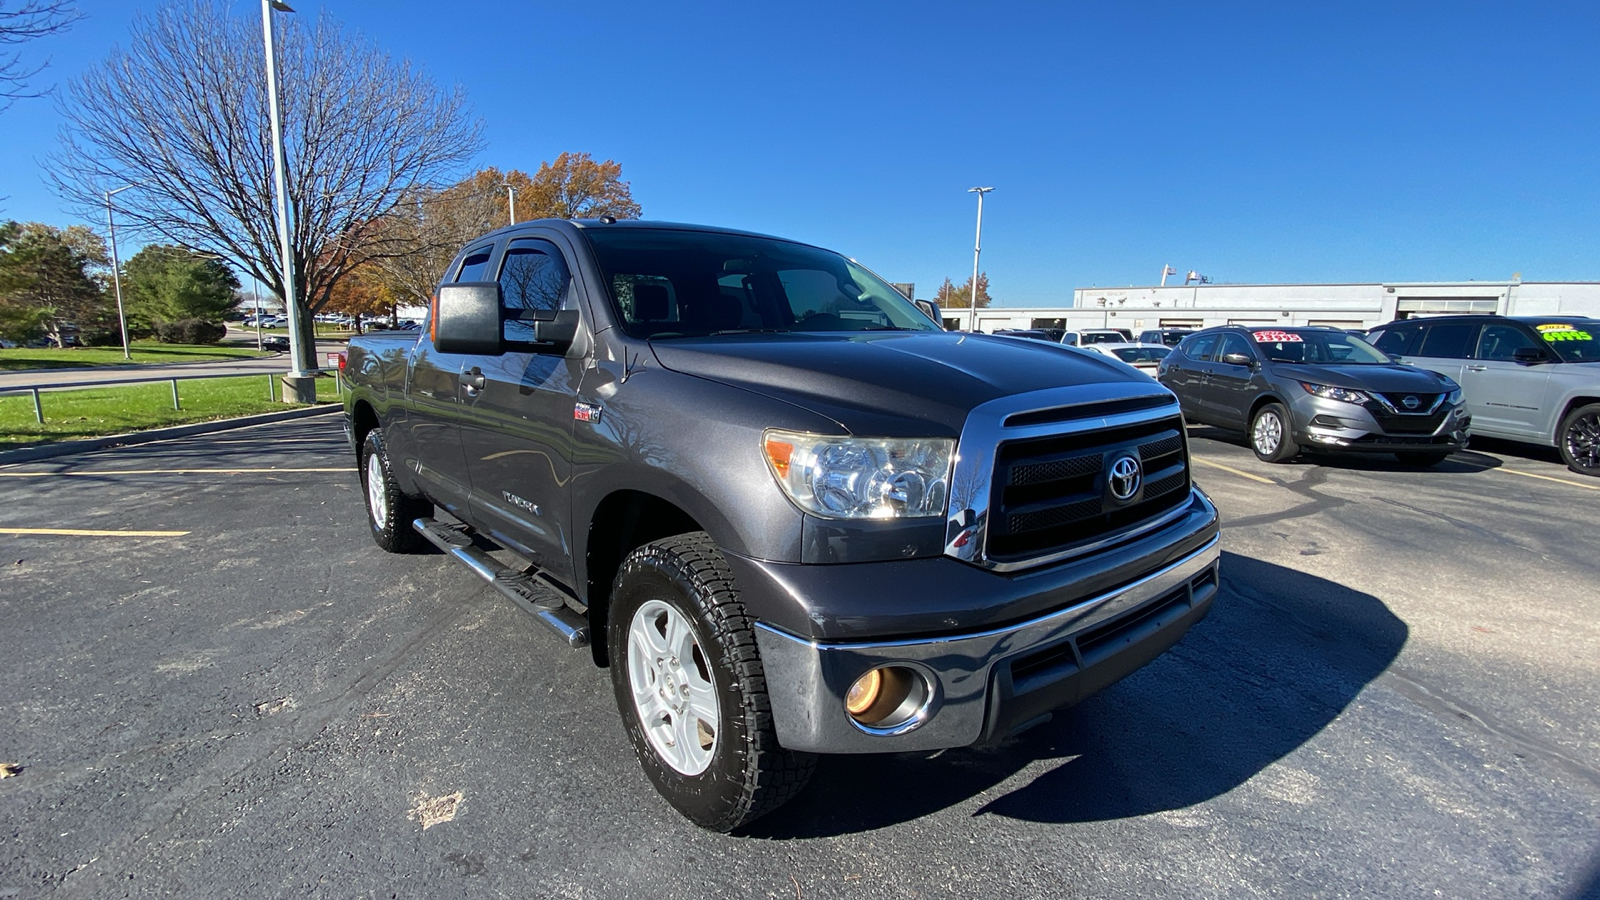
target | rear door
x=1505, y=396
x=1186, y=372
x=1443, y=347
x=518, y=424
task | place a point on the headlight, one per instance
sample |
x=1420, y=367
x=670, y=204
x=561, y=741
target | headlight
x=861, y=478
x=1453, y=390
x=1328, y=392
x=1454, y=397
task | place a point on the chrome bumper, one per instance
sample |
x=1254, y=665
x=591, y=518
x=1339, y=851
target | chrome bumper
x=973, y=695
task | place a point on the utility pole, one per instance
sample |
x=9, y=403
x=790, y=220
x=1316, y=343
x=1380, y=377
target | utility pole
x=116, y=268
x=301, y=386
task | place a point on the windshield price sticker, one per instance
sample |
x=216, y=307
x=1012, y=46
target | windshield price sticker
x=1276, y=337
x=1561, y=331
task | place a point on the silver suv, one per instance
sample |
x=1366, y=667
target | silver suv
x=1314, y=388
x=1526, y=378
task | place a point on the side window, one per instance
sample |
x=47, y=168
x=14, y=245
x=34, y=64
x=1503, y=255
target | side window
x=1234, y=343
x=1400, y=341
x=1448, y=341
x=1502, y=342
x=476, y=264
x=533, y=277
x=1199, y=347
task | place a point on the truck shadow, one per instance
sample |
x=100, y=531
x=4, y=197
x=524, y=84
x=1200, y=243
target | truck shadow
x=1280, y=656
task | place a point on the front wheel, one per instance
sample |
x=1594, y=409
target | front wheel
x=389, y=511
x=1270, y=434
x=1579, y=440
x=691, y=689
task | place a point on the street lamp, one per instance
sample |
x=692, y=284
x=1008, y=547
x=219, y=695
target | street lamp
x=116, y=268
x=977, y=248
x=302, y=385
x=511, y=202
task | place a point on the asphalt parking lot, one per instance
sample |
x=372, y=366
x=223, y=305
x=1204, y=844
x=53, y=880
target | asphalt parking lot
x=212, y=684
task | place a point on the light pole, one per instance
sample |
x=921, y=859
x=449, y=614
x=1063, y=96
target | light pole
x=257, y=282
x=116, y=268
x=511, y=202
x=301, y=385
x=977, y=248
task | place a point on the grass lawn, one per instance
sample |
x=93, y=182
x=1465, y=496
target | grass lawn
x=142, y=352
x=93, y=412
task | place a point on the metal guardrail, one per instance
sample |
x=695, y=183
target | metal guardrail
x=272, y=395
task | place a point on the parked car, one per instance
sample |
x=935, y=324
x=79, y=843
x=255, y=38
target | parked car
x=274, y=342
x=1294, y=388
x=1144, y=357
x=729, y=461
x=1170, y=337
x=1037, y=334
x=1087, y=336
x=1534, y=379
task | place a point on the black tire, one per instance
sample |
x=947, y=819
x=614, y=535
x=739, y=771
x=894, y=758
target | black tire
x=1271, y=442
x=389, y=511
x=1579, y=440
x=1423, y=459
x=747, y=774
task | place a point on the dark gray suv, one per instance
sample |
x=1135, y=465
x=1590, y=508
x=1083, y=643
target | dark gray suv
x=1315, y=388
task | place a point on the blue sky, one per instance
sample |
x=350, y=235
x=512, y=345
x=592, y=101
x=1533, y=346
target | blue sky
x=1281, y=142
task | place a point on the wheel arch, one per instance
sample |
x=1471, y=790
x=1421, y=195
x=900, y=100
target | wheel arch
x=363, y=419
x=622, y=522
x=1566, y=410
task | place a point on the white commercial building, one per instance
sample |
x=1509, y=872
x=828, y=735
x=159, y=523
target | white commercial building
x=1339, y=305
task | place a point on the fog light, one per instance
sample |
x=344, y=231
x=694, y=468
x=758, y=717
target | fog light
x=887, y=697
x=863, y=693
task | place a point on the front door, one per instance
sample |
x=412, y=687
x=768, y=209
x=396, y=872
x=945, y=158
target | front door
x=1229, y=391
x=518, y=425
x=1503, y=395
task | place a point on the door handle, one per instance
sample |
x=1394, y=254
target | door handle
x=473, y=381
x=1477, y=368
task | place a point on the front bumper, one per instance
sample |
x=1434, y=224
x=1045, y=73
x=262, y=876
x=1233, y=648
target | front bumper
x=986, y=685
x=1325, y=424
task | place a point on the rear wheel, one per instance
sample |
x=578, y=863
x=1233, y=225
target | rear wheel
x=1579, y=439
x=1423, y=459
x=691, y=688
x=1270, y=435
x=389, y=511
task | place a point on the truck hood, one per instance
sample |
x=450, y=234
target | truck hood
x=889, y=384
x=1382, y=378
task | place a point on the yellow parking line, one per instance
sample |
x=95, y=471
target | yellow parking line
x=91, y=532
x=1238, y=472
x=101, y=472
x=1587, y=487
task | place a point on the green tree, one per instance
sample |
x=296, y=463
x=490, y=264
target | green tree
x=46, y=286
x=167, y=283
x=952, y=297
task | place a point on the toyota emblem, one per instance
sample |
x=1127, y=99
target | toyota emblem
x=1411, y=402
x=1125, y=477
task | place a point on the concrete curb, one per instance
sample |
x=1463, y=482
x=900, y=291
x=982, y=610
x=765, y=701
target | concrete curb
x=68, y=448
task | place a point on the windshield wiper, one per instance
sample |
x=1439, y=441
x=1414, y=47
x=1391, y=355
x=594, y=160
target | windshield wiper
x=749, y=331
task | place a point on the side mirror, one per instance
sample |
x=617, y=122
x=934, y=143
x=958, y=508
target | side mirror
x=1528, y=355
x=469, y=319
x=560, y=329
x=1238, y=359
x=931, y=310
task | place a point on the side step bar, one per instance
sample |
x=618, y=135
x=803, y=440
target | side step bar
x=519, y=586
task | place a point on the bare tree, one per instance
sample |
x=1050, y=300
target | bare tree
x=20, y=23
x=182, y=113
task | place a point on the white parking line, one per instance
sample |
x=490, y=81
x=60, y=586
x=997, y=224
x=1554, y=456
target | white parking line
x=1587, y=487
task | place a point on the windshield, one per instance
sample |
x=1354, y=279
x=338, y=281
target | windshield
x=1318, y=348
x=1142, y=354
x=668, y=283
x=1573, y=341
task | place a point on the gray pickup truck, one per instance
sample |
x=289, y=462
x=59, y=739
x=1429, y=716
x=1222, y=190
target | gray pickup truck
x=794, y=515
